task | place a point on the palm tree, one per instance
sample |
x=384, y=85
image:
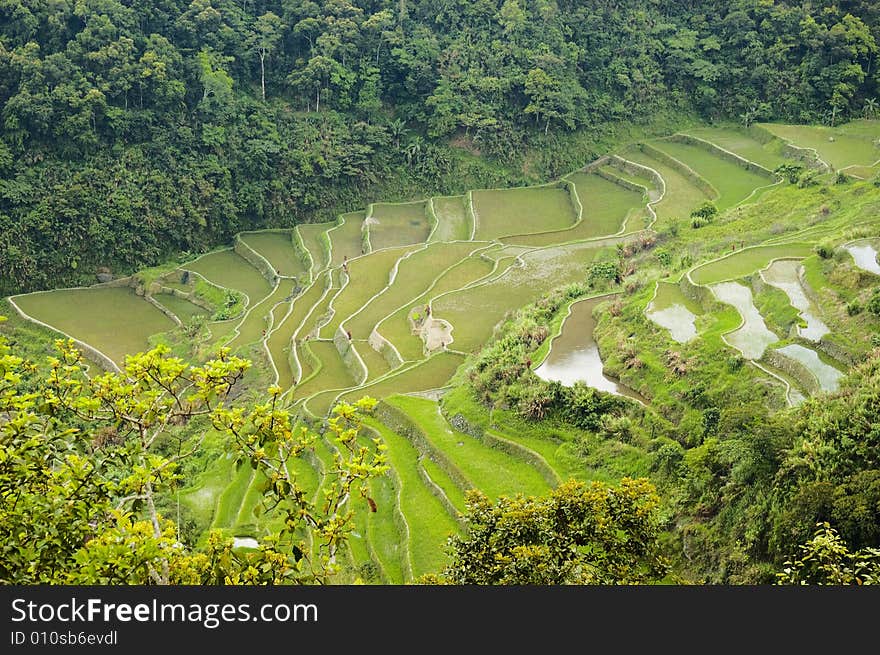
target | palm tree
x=397, y=127
x=414, y=148
x=870, y=108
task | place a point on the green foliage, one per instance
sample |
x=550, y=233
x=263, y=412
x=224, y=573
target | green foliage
x=151, y=132
x=826, y=560
x=790, y=172
x=824, y=251
x=85, y=462
x=873, y=304
x=577, y=534
x=604, y=272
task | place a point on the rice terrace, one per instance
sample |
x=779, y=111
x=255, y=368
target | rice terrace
x=695, y=254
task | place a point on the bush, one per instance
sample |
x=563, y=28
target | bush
x=790, y=172
x=841, y=178
x=698, y=221
x=707, y=211
x=734, y=363
x=873, y=305
x=825, y=252
x=853, y=308
x=807, y=178
x=664, y=258
x=609, y=271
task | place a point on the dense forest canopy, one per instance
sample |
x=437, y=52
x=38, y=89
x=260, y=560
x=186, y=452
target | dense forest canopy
x=132, y=132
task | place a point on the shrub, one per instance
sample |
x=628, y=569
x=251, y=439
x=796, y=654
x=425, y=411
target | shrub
x=873, y=305
x=706, y=211
x=841, y=178
x=664, y=258
x=853, y=308
x=807, y=178
x=790, y=172
x=734, y=363
x=825, y=252
x=609, y=271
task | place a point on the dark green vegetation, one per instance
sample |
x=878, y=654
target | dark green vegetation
x=133, y=132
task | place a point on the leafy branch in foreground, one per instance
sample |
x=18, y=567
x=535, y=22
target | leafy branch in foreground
x=84, y=459
x=826, y=560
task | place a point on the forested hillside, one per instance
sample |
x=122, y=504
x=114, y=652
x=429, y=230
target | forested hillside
x=132, y=132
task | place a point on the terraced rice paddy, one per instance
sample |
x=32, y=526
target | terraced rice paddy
x=769, y=155
x=181, y=307
x=498, y=472
x=453, y=219
x=752, y=337
x=313, y=236
x=507, y=212
x=117, y=322
x=733, y=182
x=346, y=240
x=367, y=277
x=278, y=249
x=226, y=269
x=784, y=274
x=681, y=197
x=747, y=261
x=574, y=354
x=864, y=255
x=474, y=312
x=827, y=376
x=525, y=242
x=606, y=206
x=398, y=225
x=673, y=310
x=846, y=145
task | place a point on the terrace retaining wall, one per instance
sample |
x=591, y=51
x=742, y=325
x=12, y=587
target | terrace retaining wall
x=723, y=154
x=701, y=183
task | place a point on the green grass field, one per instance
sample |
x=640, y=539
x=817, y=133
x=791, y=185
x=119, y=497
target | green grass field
x=227, y=269
x=117, y=322
x=429, y=522
x=745, y=262
x=346, y=240
x=606, y=206
x=453, y=221
x=769, y=155
x=494, y=471
x=733, y=182
x=278, y=249
x=508, y=212
x=398, y=225
x=851, y=144
x=180, y=307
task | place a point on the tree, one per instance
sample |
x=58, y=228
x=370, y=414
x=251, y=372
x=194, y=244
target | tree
x=85, y=460
x=826, y=560
x=263, y=39
x=577, y=534
x=216, y=81
x=870, y=108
